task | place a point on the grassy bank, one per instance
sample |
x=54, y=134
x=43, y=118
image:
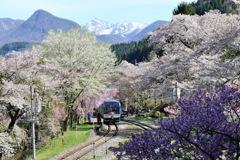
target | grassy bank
x=54, y=146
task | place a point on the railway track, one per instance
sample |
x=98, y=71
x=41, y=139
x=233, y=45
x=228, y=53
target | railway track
x=78, y=155
x=142, y=125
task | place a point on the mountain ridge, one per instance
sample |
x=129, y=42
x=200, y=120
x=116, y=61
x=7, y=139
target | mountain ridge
x=124, y=29
x=152, y=27
x=8, y=23
x=35, y=28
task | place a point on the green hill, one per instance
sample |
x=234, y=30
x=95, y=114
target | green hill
x=16, y=46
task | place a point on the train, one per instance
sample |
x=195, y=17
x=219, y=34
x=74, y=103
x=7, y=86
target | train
x=111, y=111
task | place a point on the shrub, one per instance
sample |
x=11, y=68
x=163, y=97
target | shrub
x=160, y=114
x=207, y=128
x=151, y=103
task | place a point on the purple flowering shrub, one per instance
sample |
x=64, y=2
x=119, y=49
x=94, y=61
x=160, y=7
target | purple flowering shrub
x=207, y=127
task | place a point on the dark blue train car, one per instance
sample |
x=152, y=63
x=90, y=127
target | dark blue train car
x=111, y=111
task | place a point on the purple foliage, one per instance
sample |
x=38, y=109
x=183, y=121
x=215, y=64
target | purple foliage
x=207, y=128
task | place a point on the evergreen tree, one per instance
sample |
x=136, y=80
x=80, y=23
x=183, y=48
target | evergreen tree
x=217, y=5
x=220, y=4
x=130, y=52
x=234, y=6
x=183, y=8
x=201, y=7
x=207, y=6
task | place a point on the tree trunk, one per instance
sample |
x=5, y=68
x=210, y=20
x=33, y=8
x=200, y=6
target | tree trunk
x=11, y=124
x=1, y=156
x=71, y=120
x=65, y=124
x=77, y=120
x=14, y=114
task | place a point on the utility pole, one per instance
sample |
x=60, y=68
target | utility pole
x=33, y=125
x=174, y=93
x=137, y=101
x=176, y=90
x=35, y=108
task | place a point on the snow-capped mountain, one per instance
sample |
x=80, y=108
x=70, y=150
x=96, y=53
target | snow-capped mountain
x=124, y=29
x=36, y=27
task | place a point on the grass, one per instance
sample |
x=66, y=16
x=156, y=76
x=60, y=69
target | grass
x=137, y=130
x=148, y=119
x=2, y=128
x=54, y=146
x=23, y=125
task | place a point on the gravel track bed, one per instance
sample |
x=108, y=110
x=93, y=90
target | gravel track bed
x=124, y=133
x=99, y=150
x=59, y=155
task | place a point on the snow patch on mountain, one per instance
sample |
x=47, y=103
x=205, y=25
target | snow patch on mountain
x=124, y=29
x=8, y=23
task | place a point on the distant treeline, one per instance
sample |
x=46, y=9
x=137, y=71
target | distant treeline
x=200, y=7
x=130, y=52
x=17, y=46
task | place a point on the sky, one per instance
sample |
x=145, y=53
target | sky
x=84, y=11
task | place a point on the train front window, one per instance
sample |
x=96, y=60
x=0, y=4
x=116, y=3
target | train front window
x=111, y=109
x=111, y=106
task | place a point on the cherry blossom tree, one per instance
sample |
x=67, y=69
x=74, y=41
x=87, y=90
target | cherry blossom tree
x=197, y=51
x=19, y=70
x=131, y=79
x=6, y=145
x=88, y=101
x=59, y=112
x=84, y=63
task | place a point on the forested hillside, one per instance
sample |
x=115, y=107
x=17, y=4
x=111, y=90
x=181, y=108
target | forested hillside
x=124, y=51
x=35, y=28
x=202, y=6
x=130, y=52
x=17, y=46
x=121, y=48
